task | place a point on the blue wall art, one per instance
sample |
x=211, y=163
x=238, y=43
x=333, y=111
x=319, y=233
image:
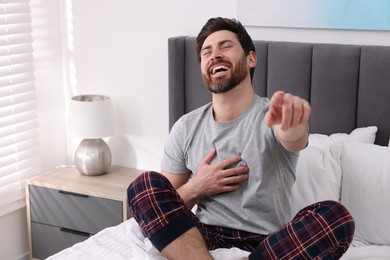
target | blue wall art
x=332, y=14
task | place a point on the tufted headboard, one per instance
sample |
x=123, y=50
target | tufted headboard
x=348, y=86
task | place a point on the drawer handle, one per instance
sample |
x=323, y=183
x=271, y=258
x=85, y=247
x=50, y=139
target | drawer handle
x=73, y=193
x=76, y=232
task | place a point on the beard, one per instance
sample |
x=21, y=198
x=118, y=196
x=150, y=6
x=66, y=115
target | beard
x=223, y=85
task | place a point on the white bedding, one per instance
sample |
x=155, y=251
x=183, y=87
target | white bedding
x=126, y=241
x=364, y=167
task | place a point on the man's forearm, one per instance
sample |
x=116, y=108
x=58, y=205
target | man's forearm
x=188, y=194
x=294, y=139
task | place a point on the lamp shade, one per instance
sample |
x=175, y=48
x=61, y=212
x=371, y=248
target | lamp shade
x=91, y=116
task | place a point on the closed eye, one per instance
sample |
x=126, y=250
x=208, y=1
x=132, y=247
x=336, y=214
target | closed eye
x=205, y=53
x=227, y=46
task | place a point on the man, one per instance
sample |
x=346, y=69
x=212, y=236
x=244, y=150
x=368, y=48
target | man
x=235, y=159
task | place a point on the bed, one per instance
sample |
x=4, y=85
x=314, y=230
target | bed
x=348, y=87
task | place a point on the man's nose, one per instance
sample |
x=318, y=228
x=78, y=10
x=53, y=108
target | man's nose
x=216, y=54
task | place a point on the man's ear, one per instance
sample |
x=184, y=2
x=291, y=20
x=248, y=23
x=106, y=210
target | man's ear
x=252, y=59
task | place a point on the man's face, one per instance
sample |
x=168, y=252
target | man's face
x=223, y=62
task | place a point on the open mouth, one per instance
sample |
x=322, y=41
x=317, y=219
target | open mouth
x=219, y=68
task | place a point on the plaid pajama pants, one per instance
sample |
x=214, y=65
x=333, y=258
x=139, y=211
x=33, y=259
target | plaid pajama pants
x=323, y=230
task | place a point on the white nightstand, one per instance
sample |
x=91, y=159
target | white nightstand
x=65, y=207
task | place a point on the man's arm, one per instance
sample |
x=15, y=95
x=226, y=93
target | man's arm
x=290, y=116
x=179, y=182
x=210, y=179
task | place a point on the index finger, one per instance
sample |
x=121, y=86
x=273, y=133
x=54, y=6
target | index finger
x=275, y=106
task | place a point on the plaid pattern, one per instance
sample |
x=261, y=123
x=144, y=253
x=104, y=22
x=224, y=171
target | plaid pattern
x=154, y=202
x=221, y=237
x=323, y=230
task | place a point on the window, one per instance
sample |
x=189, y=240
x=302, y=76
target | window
x=19, y=136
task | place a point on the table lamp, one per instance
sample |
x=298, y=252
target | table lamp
x=91, y=118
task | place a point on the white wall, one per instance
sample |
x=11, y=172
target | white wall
x=119, y=48
x=13, y=236
x=121, y=51
x=49, y=80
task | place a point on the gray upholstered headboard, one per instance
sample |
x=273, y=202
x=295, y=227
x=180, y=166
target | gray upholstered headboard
x=348, y=86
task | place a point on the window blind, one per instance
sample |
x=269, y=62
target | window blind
x=19, y=136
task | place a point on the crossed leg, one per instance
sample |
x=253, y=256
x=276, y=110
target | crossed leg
x=323, y=230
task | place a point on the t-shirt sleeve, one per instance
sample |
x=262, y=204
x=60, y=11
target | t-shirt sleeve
x=174, y=158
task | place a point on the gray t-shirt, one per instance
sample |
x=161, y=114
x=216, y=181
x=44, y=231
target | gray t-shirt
x=261, y=205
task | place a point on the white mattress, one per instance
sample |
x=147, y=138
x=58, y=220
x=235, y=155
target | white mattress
x=126, y=241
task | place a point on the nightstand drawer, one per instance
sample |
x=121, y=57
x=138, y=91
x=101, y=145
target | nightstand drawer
x=73, y=211
x=48, y=240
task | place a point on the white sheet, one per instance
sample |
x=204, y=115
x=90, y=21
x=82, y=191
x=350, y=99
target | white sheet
x=126, y=242
x=371, y=252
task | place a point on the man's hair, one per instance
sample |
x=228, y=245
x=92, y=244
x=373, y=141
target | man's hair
x=219, y=24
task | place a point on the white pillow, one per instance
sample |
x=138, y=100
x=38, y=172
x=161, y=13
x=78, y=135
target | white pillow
x=318, y=176
x=366, y=190
x=318, y=172
x=361, y=135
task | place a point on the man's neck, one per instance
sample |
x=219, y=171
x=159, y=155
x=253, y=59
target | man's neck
x=230, y=105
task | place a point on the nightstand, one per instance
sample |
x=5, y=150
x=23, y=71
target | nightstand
x=65, y=207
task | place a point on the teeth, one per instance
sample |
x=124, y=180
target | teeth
x=219, y=68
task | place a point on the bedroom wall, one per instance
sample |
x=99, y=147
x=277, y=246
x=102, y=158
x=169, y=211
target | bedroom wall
x=121, y=51
x=119, y=48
